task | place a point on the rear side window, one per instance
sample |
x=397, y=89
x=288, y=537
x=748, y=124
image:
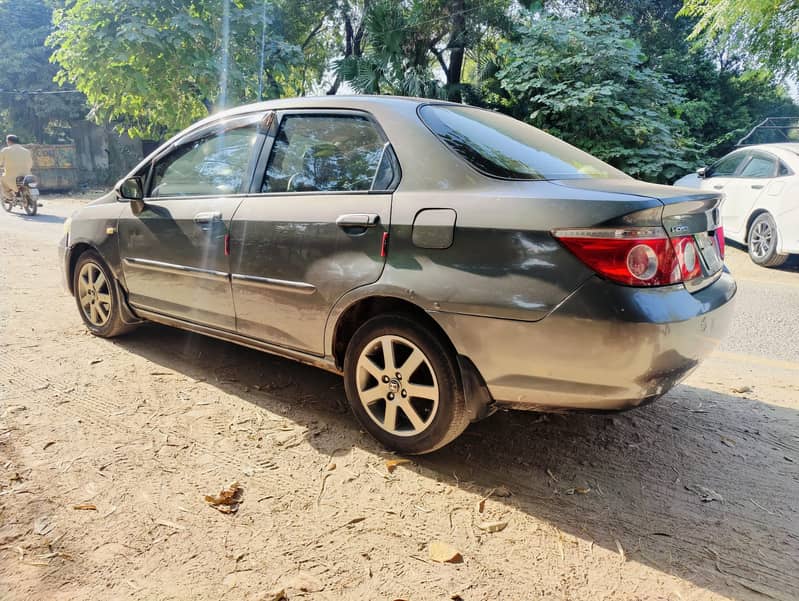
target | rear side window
x=210, y=166
x=783, y=170
x=760, y=166
x=727, y=166
x=328, y=153
x=503, y=147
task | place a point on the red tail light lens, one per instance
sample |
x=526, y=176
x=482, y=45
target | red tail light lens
x=635, y=256
x=720, y=244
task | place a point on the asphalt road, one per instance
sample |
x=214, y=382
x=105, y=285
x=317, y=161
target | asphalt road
x=767, y=309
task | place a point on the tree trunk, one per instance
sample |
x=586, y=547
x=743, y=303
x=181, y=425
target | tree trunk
x=457, y=51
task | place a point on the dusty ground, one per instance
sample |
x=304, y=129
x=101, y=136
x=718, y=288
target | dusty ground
x=693, y=497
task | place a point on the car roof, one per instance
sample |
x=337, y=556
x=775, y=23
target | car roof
x=354, y=101
x=789, y=146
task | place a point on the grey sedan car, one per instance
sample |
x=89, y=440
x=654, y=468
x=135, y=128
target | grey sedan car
x=446, y=260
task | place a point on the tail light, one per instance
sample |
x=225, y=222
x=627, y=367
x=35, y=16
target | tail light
x=720, y=244
x=637, y=256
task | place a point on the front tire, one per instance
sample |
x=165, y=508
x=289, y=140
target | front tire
x=97, y=297
x=31, y=206
x=8, y=204
x=762, y=242
x=403, y=385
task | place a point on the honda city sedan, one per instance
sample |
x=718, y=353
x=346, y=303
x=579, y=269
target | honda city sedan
x=446, y=260
x=760, y=208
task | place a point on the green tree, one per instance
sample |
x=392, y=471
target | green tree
x=25, y=72
x=765, y=30
x=155, y=67
x=723, y=98
x=583, y=79
x=422, y=47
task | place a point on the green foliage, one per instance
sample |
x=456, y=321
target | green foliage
x=25, y=66
x=156, y=67
x=583, y=79
x=764, y=30
x=418, y=47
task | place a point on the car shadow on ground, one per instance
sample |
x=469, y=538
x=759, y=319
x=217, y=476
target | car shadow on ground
x=791, y=265
x=40, y=218
x=700, y=485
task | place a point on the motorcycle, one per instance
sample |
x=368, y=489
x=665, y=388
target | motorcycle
x=26, y=196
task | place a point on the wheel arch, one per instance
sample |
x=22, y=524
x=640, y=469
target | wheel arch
x=754, y=215
x=479, y=402
x=365, y=308
x=75, y=252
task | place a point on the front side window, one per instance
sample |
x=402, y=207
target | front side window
x=327, y=153
x=760, y=166
x=727, y=166
x=210, y=166
x=501, y=146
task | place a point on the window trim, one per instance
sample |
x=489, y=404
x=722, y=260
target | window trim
x=266, y=153
x=216, y=127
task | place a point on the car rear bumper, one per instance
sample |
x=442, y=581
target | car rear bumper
x=605, y=347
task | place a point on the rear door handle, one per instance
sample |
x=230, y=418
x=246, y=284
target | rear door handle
x=358, y=220
x=757, y=186
x=718, y=187
x=207, y=217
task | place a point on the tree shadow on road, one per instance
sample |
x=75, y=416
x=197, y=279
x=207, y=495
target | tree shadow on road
x=700, y=485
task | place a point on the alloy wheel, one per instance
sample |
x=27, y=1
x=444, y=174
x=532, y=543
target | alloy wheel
x=397, y=385
x=761, y=239
x=94, y=294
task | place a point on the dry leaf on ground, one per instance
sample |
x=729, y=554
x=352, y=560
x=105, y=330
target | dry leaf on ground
x=444, y=553
x=391, y=464
x=493, y=526
x=228, y=499
x=742, y=389
x=85, y=507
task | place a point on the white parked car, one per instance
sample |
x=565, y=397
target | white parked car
x=761, y=198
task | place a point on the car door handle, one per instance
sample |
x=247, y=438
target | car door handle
x=358, y=220
x=757, y=186
x=207, y=217
x=718, y=187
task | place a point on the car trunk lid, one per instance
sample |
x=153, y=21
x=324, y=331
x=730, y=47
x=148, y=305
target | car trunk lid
x=685, y=215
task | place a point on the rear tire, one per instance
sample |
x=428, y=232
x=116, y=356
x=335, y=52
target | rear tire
x=403, y=385
x=97, y=297
x=762, y=242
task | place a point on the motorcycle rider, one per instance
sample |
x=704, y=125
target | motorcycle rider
x=16, y=160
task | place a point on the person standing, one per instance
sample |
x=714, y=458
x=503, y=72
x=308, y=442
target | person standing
x=16, y=160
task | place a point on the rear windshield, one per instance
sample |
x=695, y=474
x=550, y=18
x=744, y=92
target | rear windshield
x=501, y=146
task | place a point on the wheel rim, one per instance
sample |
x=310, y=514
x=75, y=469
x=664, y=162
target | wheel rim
x=761, y=239
x=397, y=386
x=94, y=294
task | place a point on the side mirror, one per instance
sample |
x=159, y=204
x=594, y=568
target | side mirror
x=702, y=172
x=131, y=189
